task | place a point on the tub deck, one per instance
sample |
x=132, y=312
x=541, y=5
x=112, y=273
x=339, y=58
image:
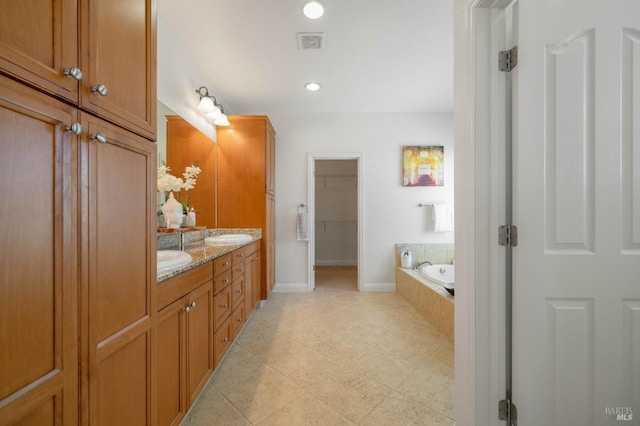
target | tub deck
x=430, y=299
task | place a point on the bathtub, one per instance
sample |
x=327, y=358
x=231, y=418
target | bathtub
x=440, y=274
x=429, y=297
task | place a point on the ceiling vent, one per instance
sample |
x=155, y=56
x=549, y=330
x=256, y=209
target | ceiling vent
x=310, y=41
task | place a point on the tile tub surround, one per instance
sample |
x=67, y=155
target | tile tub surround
x=199, y=251
x=430, y=299
x=434, y=253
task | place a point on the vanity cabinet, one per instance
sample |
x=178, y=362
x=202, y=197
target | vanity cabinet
x=185, y=342
x=252, y=277
x=246, y=185
x=43, y=45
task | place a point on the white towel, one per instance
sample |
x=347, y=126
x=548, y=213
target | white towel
x=442, y=217
x=302, y=226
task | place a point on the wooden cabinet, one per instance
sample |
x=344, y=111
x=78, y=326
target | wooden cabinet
x=185, y=343
x=77, y=297
x=112, y=43
x=38, y=270
x=252, y=277
x=118, y=273
x=186, y=145
x=246, y=185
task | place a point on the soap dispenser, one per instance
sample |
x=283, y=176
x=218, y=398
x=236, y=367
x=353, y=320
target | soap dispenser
x=405, y=258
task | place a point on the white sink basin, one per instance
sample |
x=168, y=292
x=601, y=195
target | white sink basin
x=228, y=239
x=171, y=259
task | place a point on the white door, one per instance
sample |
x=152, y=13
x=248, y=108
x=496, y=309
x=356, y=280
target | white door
x=576, y=344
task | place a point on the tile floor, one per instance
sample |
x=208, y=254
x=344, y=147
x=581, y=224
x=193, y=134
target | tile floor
x=332, y=357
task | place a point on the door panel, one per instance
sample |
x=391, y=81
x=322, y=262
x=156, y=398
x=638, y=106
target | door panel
x=576, y=204
x=38, y=277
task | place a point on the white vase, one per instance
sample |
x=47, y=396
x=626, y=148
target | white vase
x=172, y=212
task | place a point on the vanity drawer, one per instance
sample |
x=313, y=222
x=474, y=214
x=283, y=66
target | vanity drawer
x=176, y=287
x=237, y=270
x=237, y=321
x=222, y=280
x=221, y=342
x=238, y=256
x=237, y=293
x=222, y=263
x=221, y=307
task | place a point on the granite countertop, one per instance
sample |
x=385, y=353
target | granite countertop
x=202, y=253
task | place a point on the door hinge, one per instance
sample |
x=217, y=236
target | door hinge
x=508, y=235
x=507, y=411
x=508, y=59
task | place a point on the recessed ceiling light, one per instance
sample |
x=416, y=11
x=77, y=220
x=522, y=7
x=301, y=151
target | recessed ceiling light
x=313, y=9
x=312, y=87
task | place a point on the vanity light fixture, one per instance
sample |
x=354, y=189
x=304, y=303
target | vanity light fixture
x=313, y=9
x=211, y=108
x=312, y=87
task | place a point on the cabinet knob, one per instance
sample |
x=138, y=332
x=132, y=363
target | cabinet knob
x=100, y=89
x=186, y=309
x=224, y=306
x=193, y=304
x=239, y=320
x=75, y=128
x=225, y=340
x=73, y=72
x=239, y=291
x=100, y=137
x=226, y=280
x=225, y=264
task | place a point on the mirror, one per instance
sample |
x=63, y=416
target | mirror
x=181, y=145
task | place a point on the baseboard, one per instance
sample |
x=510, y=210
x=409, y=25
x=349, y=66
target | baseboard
x=336, y=262
x=378, y=287
x=291, y=288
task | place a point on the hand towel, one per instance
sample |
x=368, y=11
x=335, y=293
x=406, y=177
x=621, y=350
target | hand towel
x=302, y=225
x=443, y=217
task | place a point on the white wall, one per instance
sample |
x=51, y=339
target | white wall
x=391, y=211
x=178, y=79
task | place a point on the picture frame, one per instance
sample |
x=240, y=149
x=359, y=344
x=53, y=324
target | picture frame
x=423, y=165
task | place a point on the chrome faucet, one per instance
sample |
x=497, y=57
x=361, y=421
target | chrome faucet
x=417, y=265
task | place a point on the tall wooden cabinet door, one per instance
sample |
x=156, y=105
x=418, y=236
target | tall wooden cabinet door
x=269, y=244
x=270, y=170
x=186, y=145
x=38, y=270
x=118, y=59
x=38, y=42
x=200, y=339
x=118, y=274
x=172, y=337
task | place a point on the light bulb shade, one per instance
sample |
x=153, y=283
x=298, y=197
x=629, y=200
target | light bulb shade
x=206, y=104
x=222, y=121
x=214, y=114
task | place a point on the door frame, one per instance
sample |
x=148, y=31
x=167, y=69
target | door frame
x=480, y=205
x=311, y=193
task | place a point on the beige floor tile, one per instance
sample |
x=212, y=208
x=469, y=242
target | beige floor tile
x=259, y=396
x=306, y=411
x=351, y=394
x=397, y=409
x=332, y=357
x=213, y=408
x=383, y=367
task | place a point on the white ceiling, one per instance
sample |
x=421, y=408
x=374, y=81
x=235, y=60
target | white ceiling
x=379, y=55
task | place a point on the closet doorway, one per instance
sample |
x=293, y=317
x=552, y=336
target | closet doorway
x=335, y=213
